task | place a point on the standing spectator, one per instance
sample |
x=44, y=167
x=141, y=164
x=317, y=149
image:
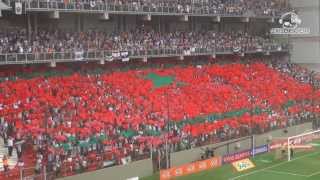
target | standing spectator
x=10, y=146
x=4, y=130
x=56, y=167
x=5, y=164
x=19, y=150
x=18, y=145
x=20, y=163
x=38, y=166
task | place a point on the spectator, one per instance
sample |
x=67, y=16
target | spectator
x=10, y=145
x=5, y=165
x=137, y=40
x=81, y=116
x=38, y=166
x=215, y=7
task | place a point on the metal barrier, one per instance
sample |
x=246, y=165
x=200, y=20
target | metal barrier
x=31, y=174
x=30, y=58
x=192, y=9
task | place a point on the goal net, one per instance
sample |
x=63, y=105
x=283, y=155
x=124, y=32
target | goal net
x=302, y=142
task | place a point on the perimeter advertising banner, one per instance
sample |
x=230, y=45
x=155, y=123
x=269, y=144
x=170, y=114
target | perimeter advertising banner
x=260, y=149
x=190, y=168
x=236, y=156
x=229, y=158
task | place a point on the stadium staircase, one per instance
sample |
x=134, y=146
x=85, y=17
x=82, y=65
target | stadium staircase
x=13, y=160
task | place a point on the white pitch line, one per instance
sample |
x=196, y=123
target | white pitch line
x=286, y=173
x=276, y=165
x=313, y=174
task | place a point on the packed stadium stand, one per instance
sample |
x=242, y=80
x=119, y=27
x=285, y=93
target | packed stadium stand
x=90, y=84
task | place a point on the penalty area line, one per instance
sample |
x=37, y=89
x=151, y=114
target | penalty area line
x=285, y=173
x=276, y=165
x=313, y=174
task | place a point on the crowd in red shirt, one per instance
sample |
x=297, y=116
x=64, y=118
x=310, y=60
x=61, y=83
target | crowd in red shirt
x=70, y=119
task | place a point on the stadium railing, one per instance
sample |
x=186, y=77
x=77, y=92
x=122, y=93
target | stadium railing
x=130, y=8
x=29, y=58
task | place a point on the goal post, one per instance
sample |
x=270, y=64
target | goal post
x=302, y=141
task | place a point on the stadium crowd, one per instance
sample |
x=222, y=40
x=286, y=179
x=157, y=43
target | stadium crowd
x=215, y=7
x=85, y=121
x=45, y=41
x=75, y=122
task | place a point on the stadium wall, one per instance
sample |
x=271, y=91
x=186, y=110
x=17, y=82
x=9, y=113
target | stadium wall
x=312, y=66
x=191, y=155
x=306, y=48
x=136, y=169
x=77, y=22
x=120, y=23
x=144, y=167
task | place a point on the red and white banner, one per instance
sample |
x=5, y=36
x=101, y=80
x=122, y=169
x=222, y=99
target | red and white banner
x=190, y=168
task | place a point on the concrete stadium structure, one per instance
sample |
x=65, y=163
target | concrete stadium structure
x=306, y=48
x=305, y=51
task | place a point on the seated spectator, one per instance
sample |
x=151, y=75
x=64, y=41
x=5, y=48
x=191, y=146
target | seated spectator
x=57, y=43
x=215, y=7
x=76, y=119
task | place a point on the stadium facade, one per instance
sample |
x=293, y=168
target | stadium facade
x=35, y=15
x=306, y=48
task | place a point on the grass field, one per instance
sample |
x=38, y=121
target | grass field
x=304, y=166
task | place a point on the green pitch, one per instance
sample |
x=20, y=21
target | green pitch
x=304, y=166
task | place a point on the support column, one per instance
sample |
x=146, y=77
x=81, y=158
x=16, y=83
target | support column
x=78, y=22
x=124, y=23
x=190, y=24
x=29, y=26
x=167, y=26
x=159, y=23
x=35, y=21
x=118, y=23
x=163, y=27
x=246, y=27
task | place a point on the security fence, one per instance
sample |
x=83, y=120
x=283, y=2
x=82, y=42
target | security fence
x=74, y=56
x=191, y=8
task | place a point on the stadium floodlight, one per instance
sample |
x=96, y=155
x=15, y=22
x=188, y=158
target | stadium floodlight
x=302, y=141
